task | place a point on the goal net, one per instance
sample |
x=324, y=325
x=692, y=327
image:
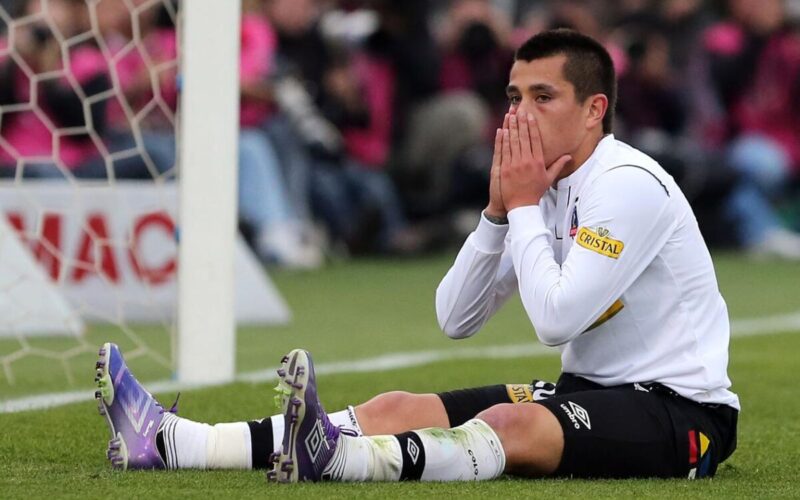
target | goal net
x=96, y=213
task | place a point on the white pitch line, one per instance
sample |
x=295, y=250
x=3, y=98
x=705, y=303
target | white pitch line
x=766, y=325
x=739, y=328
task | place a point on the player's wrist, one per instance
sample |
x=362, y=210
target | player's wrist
x=527, y=202
x=495, y=216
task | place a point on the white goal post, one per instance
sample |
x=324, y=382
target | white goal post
x=209, y=127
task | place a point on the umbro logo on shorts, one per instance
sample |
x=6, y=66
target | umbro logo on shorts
x=577, y=415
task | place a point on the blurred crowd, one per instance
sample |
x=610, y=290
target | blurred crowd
x=367, y=125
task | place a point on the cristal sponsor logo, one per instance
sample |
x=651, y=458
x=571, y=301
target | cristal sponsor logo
x=519, y=393
x=413, y=451
x=599, y=242
x=315, y=440
x=136, y=408
x=474, y=463
x=527, y=393
x=577, y=415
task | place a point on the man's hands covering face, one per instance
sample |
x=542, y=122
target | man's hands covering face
x=519, y=176
x=524, y=177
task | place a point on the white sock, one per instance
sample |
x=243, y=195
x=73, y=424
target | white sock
x=469, y=452
x=229, y=446
x=347, y=421
x=194, y=445
x=277, y=431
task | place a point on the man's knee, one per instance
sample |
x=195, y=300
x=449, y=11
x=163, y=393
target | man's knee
x=400, y=411
x=384, y=405
x=531, y=436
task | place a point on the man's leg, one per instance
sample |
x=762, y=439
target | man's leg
x=398, y=411
x=621, y=432
x=531, y=435
x=164, y=440
x=146, y=436
x=314, y=449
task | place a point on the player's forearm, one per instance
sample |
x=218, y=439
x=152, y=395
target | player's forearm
x=563, y=301
x=560, y=302
x=467, y=296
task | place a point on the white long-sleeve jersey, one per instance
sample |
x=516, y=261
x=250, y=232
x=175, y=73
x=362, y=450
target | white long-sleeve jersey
x=612, y=268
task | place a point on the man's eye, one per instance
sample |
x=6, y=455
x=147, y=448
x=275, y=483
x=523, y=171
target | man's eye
x=543, y=98
x=514, y=99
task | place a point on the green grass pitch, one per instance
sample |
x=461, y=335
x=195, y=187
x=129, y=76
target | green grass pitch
x=367, y=308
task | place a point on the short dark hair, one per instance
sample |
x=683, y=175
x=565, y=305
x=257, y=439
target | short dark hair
x=589, y=67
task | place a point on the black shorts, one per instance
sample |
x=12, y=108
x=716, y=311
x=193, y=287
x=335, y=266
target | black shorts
x=638, y=430
x=635, y=430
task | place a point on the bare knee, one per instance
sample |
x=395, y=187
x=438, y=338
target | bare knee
x=399, y=411
x=531, y=435
x=383, y=405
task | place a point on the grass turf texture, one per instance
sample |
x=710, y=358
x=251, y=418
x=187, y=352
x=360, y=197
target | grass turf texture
x=367, y=308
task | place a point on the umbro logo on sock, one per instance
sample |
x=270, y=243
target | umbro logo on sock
x=413, y=451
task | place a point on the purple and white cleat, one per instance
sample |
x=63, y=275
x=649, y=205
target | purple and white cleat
x=309, y=437
x=132, y=413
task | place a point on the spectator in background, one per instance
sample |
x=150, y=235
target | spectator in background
x=147, y=77
x=424, y=143
x=38, y=142
x=475, y=39
x=279, y=233
x=109, y=149
x=751, y=65
x=141, y=122
x=346, y=128
x=593, y=18
x=653, y=113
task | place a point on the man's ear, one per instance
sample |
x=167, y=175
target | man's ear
x=598, y=105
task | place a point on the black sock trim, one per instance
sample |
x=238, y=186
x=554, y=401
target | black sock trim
x=413, y=456
x=261, y=442
x=162, y=450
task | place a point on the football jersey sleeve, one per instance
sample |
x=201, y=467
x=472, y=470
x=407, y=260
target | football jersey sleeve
x=479, y=282
x=625, y=222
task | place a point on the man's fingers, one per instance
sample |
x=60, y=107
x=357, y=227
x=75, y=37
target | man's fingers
x=525, y=140
x=506, y=148
x=516, y=150
x=536, y=137
x=557, y=166
x=498, y=148
x=505, y=120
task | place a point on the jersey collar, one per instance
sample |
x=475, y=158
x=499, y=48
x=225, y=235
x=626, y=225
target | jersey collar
x=576, y=178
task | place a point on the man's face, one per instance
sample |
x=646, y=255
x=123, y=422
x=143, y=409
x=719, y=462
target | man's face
x=539, y=87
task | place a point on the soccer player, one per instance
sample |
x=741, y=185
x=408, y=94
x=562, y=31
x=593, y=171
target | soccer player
x=610, y=266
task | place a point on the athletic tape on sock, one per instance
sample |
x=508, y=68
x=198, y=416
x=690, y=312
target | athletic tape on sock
x=228, y=446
